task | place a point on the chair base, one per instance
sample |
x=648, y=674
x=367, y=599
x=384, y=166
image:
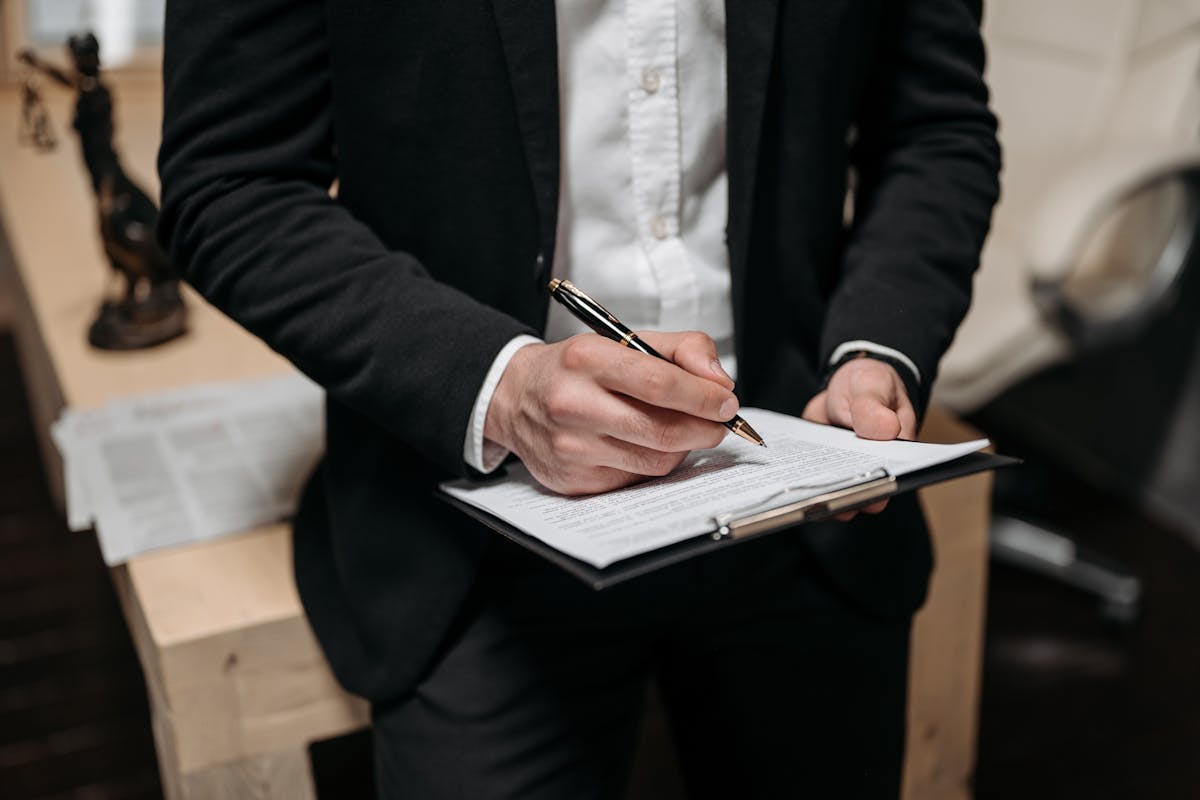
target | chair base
x=1040, y=550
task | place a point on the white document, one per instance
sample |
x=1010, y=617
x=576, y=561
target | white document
x=75, y=429
x=801, y=457
x=182, y=466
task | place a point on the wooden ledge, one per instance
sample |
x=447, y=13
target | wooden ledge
x=231, y=666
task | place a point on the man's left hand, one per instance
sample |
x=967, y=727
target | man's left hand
x=867, y=396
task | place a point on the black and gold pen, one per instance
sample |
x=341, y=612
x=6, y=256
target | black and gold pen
x=598, y=318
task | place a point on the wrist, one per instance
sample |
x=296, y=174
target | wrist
x=505, y=402
x=861, y=361
x=858, y=359
x=859, y=351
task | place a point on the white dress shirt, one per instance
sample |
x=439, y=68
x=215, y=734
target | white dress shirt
x=643, y=195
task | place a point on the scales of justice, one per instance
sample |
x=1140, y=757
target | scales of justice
x=147, y=308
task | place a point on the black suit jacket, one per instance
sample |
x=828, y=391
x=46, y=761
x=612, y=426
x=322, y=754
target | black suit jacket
x=439, y=121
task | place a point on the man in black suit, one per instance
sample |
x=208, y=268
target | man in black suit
x=783, y=661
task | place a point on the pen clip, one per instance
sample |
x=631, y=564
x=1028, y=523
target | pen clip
x=571, y=288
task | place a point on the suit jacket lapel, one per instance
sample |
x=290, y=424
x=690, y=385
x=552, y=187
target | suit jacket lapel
x=527, y=32
x=750, y=45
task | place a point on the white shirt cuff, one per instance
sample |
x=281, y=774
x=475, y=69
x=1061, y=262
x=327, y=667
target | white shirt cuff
x=480, y=453
x=871, y=347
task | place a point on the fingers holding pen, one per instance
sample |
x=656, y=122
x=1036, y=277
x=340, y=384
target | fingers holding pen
x=662, y=384
x=630, y=422
x=692, y=351
x=616, y=454
x=582, y=414
x=663, y=430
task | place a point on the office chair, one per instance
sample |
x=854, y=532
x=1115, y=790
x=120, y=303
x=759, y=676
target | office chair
x=1089, y=286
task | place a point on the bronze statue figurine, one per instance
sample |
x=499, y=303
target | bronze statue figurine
x=149, y=309
x=35, y=122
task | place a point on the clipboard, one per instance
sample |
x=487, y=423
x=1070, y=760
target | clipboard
x=741, y=525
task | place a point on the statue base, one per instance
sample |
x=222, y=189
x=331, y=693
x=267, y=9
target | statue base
x=135, y=324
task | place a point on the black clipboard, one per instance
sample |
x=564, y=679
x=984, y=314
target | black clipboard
x=743, y=525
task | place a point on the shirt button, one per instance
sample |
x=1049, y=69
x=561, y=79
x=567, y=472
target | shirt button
x=651, y=80
x=658, y=227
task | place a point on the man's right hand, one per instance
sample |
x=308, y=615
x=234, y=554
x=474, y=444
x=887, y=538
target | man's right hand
x=588, y=415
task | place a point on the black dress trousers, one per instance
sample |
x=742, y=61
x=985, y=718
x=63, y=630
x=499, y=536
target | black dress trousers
x=776, y=686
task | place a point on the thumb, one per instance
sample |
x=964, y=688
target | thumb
x=692, y=351
x=816, y=410
x=873, y=418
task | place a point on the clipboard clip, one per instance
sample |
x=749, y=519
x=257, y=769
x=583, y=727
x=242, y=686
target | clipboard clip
x=830, y=498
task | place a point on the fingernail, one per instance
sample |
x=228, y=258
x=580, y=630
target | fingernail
x=728, y=408
x=719, y=371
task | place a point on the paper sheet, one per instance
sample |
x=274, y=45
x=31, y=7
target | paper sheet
x=600, y=529
x=181, y=466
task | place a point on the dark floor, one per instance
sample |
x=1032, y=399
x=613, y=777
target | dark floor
x=73, y=715
x=1072, y=707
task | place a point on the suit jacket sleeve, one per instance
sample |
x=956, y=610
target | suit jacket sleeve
x=927, y=160
x=247, y=160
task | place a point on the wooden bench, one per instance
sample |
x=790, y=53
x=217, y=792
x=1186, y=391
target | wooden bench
x=237, y=684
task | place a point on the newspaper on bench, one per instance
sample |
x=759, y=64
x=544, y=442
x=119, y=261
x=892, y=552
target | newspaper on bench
x=168, y=468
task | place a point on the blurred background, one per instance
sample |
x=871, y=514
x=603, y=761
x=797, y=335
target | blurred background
x=1081, y=355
